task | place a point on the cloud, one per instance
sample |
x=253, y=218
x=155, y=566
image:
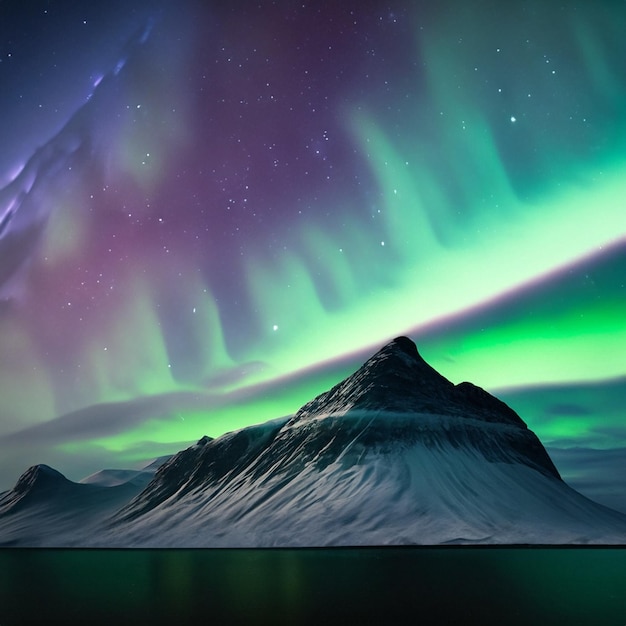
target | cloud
x=39, y=443
x=102, y=420
x=597, y=474
x=578, y=414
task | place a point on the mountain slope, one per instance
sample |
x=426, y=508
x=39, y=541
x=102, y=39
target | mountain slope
x=394, y=454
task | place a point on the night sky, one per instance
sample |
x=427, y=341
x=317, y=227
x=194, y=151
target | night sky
x=212, y=211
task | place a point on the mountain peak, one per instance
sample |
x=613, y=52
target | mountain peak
x=400, y=359
x=398, y=380
x=395, y=379
x=38, y=476
x=405, y=345
x=401, y=348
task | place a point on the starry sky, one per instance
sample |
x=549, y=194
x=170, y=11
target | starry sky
x=210, y=212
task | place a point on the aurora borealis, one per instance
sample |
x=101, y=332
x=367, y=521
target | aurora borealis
x=212, y=211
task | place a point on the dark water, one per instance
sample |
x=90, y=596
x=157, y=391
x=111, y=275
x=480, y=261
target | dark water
x=404, y=585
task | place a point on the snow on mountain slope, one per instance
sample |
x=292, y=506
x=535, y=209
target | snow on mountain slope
x=368, y=485
x=394, y=454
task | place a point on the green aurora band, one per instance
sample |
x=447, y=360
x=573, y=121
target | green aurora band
x=440, y=266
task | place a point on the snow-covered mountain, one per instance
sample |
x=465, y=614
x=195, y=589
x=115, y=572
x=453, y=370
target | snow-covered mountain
x=394, y=454
x=46, y=509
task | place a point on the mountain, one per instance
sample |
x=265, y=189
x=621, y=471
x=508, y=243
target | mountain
x=46, y=509
x=115, y=477
x=395, y=454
